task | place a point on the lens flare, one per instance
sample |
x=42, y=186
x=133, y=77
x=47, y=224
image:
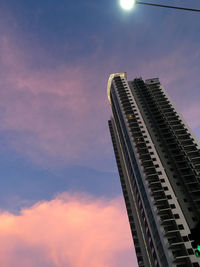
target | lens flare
x=127, y=4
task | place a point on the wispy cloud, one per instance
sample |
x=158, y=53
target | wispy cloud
x=71, y=230
x=52, y=115
x=58, y=116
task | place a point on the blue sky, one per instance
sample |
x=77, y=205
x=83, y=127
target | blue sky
x=55, y=59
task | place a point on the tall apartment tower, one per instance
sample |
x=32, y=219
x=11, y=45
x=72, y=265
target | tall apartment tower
x=158, y=160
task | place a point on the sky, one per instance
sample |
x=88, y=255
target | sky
x=60, y=197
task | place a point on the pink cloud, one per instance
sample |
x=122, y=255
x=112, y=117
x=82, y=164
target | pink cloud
x=59, y=116
x=71, y=230
x=56, y=115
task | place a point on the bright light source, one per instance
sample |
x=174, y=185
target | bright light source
x=127, y=4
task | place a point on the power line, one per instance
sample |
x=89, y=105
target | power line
x=174, y=7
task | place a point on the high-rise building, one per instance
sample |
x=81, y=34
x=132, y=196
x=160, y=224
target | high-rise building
x=158, y=160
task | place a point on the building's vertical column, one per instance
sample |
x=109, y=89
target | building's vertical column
x=119, y=97
x=161, y=118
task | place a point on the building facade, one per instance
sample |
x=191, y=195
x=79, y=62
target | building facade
x=158, y=159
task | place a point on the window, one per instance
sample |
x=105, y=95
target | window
x=165, y=188
x=176, y=216
x=185, y=238
x=172, y=206
x=138, y=250
x=190, y=251
x=194, y=219
x=169, y=197
x=180, y=227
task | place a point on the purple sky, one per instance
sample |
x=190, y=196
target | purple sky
x=55, y=59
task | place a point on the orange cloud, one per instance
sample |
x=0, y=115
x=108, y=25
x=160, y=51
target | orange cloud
x=69, y=231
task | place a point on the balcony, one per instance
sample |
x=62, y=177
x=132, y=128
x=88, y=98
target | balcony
x=167, y=110
x=161, y=204
x=172, y=118
x=179, y=252
x=184, y=137
x=180, y=132
x=164, y=207
x=169, y=225
x=142, y=151
x=123, y=95
x=139, y=137
x=127, y=105
x=135, y=131
x=154, y=183
x=176, y=123
x=189, y=147
x=133, y=123
x=159, y=92
x=119, y=84
x=164, y=103
x=145, y=157
x=196, y=160
x=140, y=144
x=124, y=100
x=150, y=170
x=196, y=166
x=186, y=142
x=147, y=163
x=183, y=262
x=160, y=212
x=152, y=178
x=155, y=89
x=174, y=237
x=156, y=192
x=193, y=154
x=159, y=196
x=162, y=99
